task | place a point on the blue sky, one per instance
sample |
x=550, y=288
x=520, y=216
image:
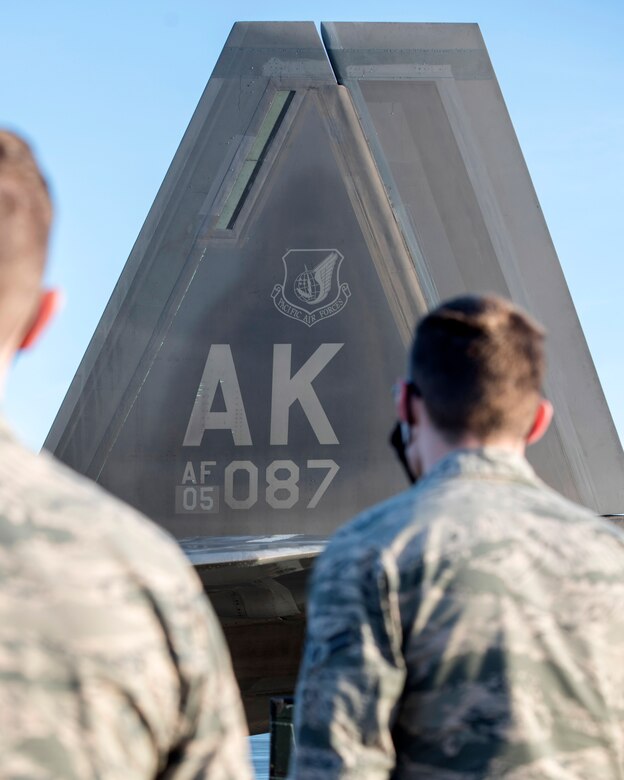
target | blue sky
x=104, y=91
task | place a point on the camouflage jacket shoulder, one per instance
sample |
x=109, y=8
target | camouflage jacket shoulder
x=470, y=628
x=112, y=663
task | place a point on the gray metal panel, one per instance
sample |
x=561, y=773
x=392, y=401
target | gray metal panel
x=436, y=123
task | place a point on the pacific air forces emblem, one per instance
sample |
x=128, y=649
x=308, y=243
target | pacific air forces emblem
x=311, y=290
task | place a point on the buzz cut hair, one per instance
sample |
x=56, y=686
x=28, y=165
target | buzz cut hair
x=25, y=218
x=478, y=363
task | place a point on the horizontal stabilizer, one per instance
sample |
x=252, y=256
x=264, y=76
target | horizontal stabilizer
x=254, y=577
x=216, y=551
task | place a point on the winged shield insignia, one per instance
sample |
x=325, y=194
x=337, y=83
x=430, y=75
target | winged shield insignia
x=311, y=290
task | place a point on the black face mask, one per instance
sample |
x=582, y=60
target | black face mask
x=398, y=442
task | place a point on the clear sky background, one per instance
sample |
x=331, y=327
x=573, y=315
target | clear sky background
x=105, y=90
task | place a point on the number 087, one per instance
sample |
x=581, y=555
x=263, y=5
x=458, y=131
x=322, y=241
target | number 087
x=282, y=483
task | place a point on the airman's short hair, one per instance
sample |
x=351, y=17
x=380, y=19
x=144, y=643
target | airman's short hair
x=478, y=363
x=25, y=217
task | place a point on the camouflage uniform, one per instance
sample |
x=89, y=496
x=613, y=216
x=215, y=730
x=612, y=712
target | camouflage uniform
x=471, y=627
x=112, y=664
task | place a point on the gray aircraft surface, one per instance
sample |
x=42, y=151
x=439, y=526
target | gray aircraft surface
x=326, y=193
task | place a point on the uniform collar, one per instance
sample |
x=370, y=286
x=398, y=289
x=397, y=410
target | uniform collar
x=482, y=463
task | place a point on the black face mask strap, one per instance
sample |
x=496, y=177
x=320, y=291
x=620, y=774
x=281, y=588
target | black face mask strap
x=397, y=442
x=397, y=436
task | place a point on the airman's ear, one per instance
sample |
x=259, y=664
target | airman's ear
x=543, y=418
x=404, y=403
x=49, y=303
